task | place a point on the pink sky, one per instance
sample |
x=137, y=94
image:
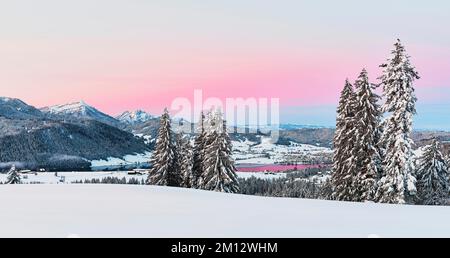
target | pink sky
x=128, y=75
x=143, y=54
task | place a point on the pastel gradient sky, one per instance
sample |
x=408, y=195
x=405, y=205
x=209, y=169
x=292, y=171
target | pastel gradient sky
x=129, y=54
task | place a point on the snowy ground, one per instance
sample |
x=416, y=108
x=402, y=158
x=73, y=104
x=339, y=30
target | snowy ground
x=247, y=152
x=261, y=175
x=244, y=152
x=70, y=177
x=126, y=160
x=149, y=211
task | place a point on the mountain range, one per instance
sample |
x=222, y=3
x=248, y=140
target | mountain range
x=69, y=136
x=63, y=136
x=134, y=117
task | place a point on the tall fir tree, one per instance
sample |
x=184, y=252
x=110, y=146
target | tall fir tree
x=365, y=151
x=219, y=172
x=397, y=184
x=198, y=152
x=433, y=176
x=186, y=160
x=164, y=169
x=13, y=176
x=177, y=153
x=342, y=176
x=209, y=127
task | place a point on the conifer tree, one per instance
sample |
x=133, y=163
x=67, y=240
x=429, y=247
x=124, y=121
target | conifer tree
x=326, y=190
x=164, y=169
x=198, y=152
x=397, y=184
x=209, y=126
x=342, y=176
x=433, y=176
x=219, y=172
x=177, y=149
x=13, y=176
x=186, y=160
x=365, y=150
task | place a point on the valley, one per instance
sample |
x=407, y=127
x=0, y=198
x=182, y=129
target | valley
x=77, y=136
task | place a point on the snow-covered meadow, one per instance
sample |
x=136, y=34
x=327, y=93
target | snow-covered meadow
x=126, y=160
x=245, y=152
x=266, y=152
x=150, y=211
x=71, y=177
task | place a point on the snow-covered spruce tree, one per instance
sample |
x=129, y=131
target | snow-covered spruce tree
x=219, y=172
x=164, y=169
x=209, y=127
x=198, y=152
x=343, y=142
x=365, y=150
x=398, y=183
x=13, y=176
x=326, y=190
x=433, y=176
x=185, y=160
x=177, y=154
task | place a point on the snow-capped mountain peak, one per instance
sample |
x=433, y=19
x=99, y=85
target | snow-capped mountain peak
x=80, y=109
x=15, y=108
x=133, y=117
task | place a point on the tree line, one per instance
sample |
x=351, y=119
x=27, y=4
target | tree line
x=207, y=164
x=373, y=157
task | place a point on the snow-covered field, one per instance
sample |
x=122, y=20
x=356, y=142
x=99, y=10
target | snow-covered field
x=261, y=175
x=248, y=152
x=244, y=152
x=70, y=177
x=150, y=211
x=128, y=159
